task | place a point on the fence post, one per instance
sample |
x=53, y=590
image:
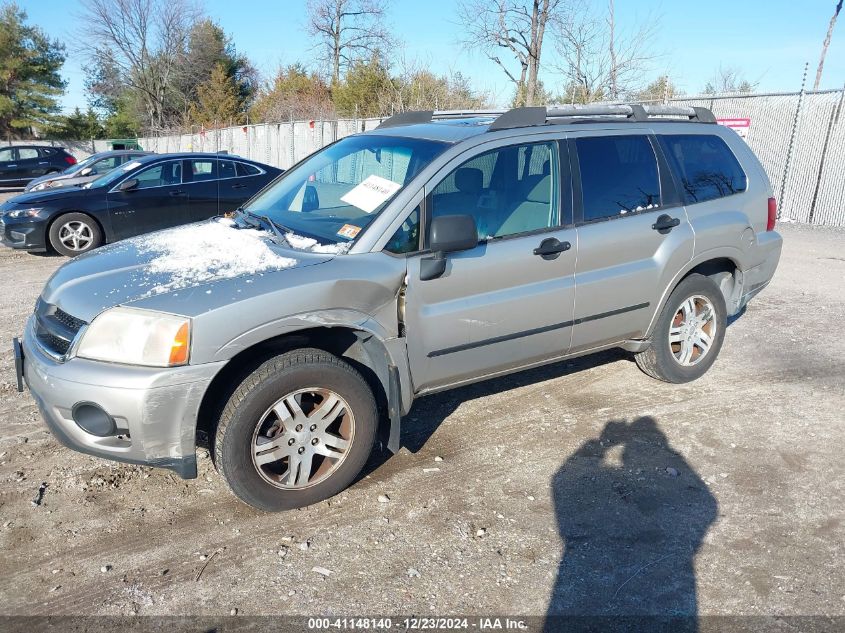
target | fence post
x=792, y=142
x=834, y=118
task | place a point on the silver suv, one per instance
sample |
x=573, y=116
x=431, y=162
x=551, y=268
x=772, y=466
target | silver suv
x=437, y=250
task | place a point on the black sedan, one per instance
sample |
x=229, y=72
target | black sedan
x=147, y=194
x=22, y=163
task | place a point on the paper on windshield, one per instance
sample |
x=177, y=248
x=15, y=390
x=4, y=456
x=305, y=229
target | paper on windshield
x=130, y=166
x=371, y=193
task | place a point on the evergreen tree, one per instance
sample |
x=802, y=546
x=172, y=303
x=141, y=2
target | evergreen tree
x=30, y=83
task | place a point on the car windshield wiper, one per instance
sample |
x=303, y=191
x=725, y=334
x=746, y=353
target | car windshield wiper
x=276, y=228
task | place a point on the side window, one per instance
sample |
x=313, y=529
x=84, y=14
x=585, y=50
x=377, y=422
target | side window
x=106, y=165
x=705, y=165
x=161, y=175
x=618, y=175
x=6, y=155
x=247, y=170
x=201, y=169
x=407, y=237
x=46, y=151
x=509, y=190
x=27, y=153
x=227, y=169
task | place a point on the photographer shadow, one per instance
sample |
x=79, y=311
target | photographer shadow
x=632, y=513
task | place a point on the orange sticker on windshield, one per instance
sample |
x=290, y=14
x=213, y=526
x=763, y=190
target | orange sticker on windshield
x=349, y=231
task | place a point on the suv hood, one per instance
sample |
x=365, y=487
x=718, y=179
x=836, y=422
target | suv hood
x=201, y=264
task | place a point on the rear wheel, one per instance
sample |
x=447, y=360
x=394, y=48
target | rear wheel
x=296, y=431
x=688, y=334
x=75, y=233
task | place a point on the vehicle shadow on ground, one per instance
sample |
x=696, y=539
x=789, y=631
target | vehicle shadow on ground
x=429, y=412
x=632, y=513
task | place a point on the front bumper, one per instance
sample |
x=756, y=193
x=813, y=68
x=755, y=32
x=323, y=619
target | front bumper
x=155, y=409
x=28, y=234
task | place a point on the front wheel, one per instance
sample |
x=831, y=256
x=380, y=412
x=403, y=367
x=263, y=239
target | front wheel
x=296, y=431
x=75, y=233
x=688, y=334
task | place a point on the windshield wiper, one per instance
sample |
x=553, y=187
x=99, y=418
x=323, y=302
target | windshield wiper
x=276, y=228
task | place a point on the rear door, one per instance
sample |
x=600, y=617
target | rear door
x=498, y=305
x=30, y=164
x=201, y=175
x=633, y=234
x=159, y=201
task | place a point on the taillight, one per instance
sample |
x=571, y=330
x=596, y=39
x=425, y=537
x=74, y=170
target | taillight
x=70, y=160
x=773, y=214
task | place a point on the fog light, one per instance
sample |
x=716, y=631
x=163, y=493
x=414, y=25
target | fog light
x=92, y=419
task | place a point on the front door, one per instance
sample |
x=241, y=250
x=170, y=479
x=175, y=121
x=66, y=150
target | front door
x=159, y=201
x=499, y=305
x=633, y=235
x=8, y=166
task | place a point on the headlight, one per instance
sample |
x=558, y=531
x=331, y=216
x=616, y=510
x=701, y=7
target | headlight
x=137, y=337
x=41, y=185
x=24, y=213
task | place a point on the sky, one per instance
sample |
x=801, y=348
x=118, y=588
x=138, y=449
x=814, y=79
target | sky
x=769, y=41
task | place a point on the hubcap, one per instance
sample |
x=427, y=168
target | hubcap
x=76, y=235
x=303, y=438
x=693, y=330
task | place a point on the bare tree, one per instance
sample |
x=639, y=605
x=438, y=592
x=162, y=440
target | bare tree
x=144, y=41
x=729, y=79
x=598, y=61
x=515, y=27
x=348, y=31
x=826, y=44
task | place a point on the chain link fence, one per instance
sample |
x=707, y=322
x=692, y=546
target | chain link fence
x=799, y=138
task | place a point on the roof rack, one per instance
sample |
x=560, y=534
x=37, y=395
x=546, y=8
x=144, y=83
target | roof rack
x=545, y=115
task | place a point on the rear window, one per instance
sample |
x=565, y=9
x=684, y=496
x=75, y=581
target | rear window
x=705, y=165
x=618, y=176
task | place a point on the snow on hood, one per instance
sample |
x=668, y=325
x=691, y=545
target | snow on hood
x=195, y=254
x=177, y=261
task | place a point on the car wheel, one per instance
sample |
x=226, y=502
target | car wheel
x=688, y=334
x=296, y=431
x=75, y=233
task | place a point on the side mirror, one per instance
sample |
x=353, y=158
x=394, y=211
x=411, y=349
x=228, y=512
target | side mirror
x=451, y=233
x=448, y=234
x=128, y=185
x=86, y=171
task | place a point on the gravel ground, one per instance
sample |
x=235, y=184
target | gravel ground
x=584, y=487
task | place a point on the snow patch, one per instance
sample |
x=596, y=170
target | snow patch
x=202, y=253
x=309, y=244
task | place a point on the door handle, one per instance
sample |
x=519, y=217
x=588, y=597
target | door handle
x=551, y=248
x=177, y=193
x=44, y=162
x=665, y=223
x=11, y=165
x=239, y=186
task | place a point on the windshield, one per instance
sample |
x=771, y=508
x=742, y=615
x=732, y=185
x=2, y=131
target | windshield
x=111, y=176
x=80, y=165
x=335, y=194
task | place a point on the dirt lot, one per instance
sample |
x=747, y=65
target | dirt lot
x=585, y=487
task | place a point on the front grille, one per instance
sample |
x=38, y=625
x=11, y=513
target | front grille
x=55, y=329
x=70, y=321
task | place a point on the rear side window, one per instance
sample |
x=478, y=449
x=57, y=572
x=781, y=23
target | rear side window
x=618, y=176
x=202, y=169
x=227, y=169
x=247, y=170
x=27, y=153
x=705, y=165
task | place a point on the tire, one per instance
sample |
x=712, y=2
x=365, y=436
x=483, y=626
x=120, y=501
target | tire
x=250, y=430
x=88, y=234
x=690, y=355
